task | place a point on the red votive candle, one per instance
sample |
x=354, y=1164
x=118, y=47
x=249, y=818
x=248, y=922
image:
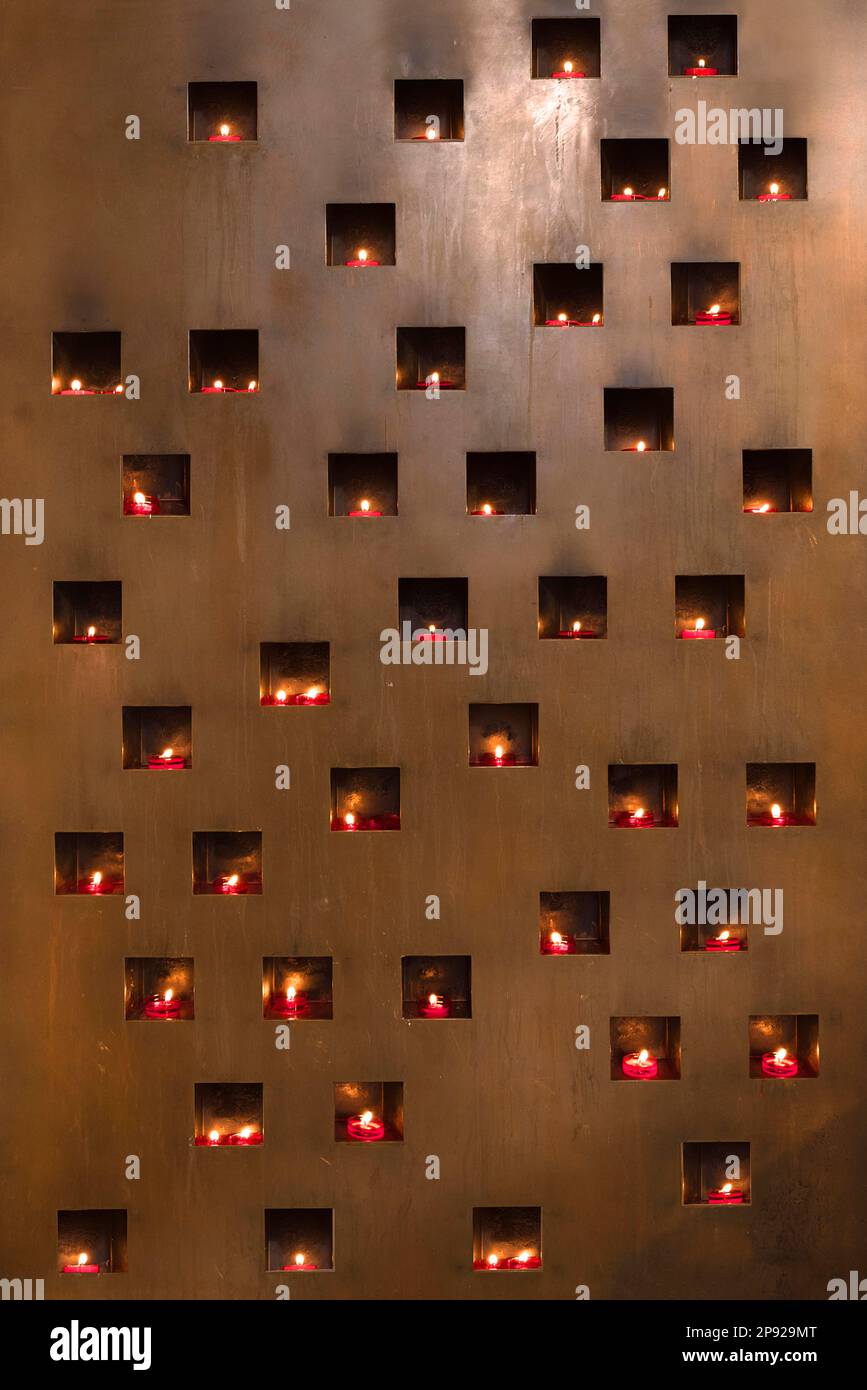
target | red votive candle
x=361, y=261
x=290, y=1004
x=725, y=942
x=81, y=1267
x=577, y=631
x=353, y=822
x=635, y=820
x=774, y=195
x=224, y=136
x=300, y=1265
x=139, y=504
x=245, y=1138
x=443, y=383
x=97, y=883
x=166, y=1007
x=364, y=509
x=434, y=1006
x=639, y=1066
x=485, y=510
x=231, y=883
x=779, y=1063
x=91, y=637
x=702, y=70
x=713, y=315
x=557, y=944
x=699, y=633
x=725, y=1196
x=169, y=760
x=365, y=1128
x=776, y=816
x=282, y=700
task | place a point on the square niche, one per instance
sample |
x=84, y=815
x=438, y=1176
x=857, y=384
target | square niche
x=155, y=485
x=645, y=1049
x=566, y=49
x=507, y=1240
x=778, y=480
x=772, y=178
x=716, y=1175
x=635, y=171
x=89, y=862
x=566, y=297
x=224, y=361
x=702, y=45
x=86, y=364
x=574, y=924
x=642, y=796
x=365, y=798
x=720, y=920
x=639, y=419
x=299, y=1240
x=228, y=1115
x=708, y=606
x=368, y=1112
x=298, y=988
x=158, y=738
x=360, y=235
x=705, y=294
x=781, y=794
x=87, y=612
x=294, y=673
x=429, y=358
x=222, y=113
x=784, y=1047
x=429, y=110
x=501, y=484
x=503, y=735
x=91, y=1242
x=434, y=608
x=573, y=609
x=436, y=987
x=227, y=863
x=362, y=486
x=159, y=989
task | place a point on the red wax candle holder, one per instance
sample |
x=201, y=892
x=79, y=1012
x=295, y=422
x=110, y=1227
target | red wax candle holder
x=284, y=1007
x=774, y=198
x=637, y=1070
x=163, y=1008
x=564, y=947
x=566, y=76
x=719, y=1198
x=150, y=507
x=441, y=1009
x=69, y=392
x=223, y=139
x=106, y=886
x=633, y=822
x=508, y=1264
x=504, y=760
x=480, y=511
x=223, y=885
x=369, y=512
x=323, y=698
x=361, y=1133
x=92, y=641
x=701, y=72
x=706, y=318
x=785, y=818
x=391, y=822
x=698, y=634
x=173, y=764
x=230, y=1141
x=785, y=1067
x=722, y=945
x=359, y=264
x=81, y=1269
x=304, y=1268
x=576, y=636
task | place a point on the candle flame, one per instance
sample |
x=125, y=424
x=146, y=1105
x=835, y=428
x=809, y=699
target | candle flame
x=139, y=498
x=567, y=66
x=702, y=63
x=218, y=385
x=627, y=192
x=498, y=751
x=434, y=376
x=597, y=318
x=640, y=446
x=714, y=309
x=435, y=1000
x=91, y=632
x=312, y=693
x=246, y=1132
x=119, y=388
x=168, y=996
x=225, y=129
x=639, y=814
x=365, y=505
x=524, y=1257
x=576, y=627
x=774, y=188
x=362, y=255
x=299, y=1259
x=213, y=1135
x=290, y=993
x=232, y=880
x=96, y=879
x=167, y=753
x=643, y=1057
x=493, y=1260
x=780, y=1055
x=431, y=133
x=253, y=386
x=699, y=624
x=366, y=1119
x=349, y=818
x=724, y=936
x=563, y=318
x=487, y=509
x=726, y=1187
x=281, y=697
x=662, y=193
x=776, y=810
x=82, y=1259
x=765, y=507
x=556, y=938
x=75, y=384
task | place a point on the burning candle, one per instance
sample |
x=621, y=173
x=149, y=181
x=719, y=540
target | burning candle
x=76, y=388
x=498, y=1263
x=701, y=70
x=214, y=1138
x=760, y=510
x=289, y=1005
x=566, y=72
x=95, y=882
x=557, y=944
x=779, y=1063
x=699, y=633
x=713, y=315
x=349, y=820
x=627, y=196
x=526, y=1260
x=724, y=942
x=245, y=1137
x=639, y=1066
x=140, y=504
x=230, y=883
x=364, y=509
x=365, y=1128
x=725, y=1196
x=435, y=379
x=81, y=1266
x=299, y=1264
x=774, y=195
x=216, y=389
x=224, y=135
x=576, y=632
x=637, y=819
x=640, y=447
x=434, y=1006
x=361, y=260
x=662, y=194
x=165, y=1006
x=499, y=754
x=776, y=816
x=167, y=760
x=91, y=637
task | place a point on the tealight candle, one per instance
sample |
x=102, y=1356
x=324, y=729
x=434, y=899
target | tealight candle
x=760, y=510
x=76, y=388
x=361, y=260
x=289, y=1005
x=434, y=379
x=640, y=447
x=779, y=1063
x=774, y=195
x=576, y=632
x=364, y=509
x=699, y=633
x=217, y=388
x=245, y=1137
x=91, y=637
x=140, y=505
x=230, y=883
x=81, y=1266
x=636, y=819
x=776, y=816
x=486, y=509
x=566, y=72
x=299, y=1264
x=725, y=1196
x=94, y=884
x=166, y=1006
x=365, y=1128
x=627, y=196
x=723, y=943
x=701, y=70
x=168, y=760
x=434, y=1006
x=640, y=1066
x=224, y=136
x=557, y=944
x=713, y=315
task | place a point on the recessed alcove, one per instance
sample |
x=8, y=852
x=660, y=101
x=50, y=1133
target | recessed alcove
x=724, y=930
x=784, y=1046
x=781, y=794
x=365, y=798
x=705, y=294
x=86, y=364
x=503, y=735
x=507, y=1240
x=645, y=1049
x=87, y=612
x=298, y=988
x=368, y=1112
x=299, y=1240
x=362, y=486
x=702, y=45
x=573, y=608
x=89, y=862
x=566, y=297
x=566, y=49
x=574, y=924
x=642, y=796
x=431, y=358
x=294, y=674
x=709, y=606
x=501, y=483
x=224, y=361
x=429, y=110
x=639, y=419
x=360, y=236
x=229, y=1114
x=635, y=171
x=772, y=178
x=227, y=863
x=436, y=987
x=158, y=738
x=222, y=113
x=778, y=480
x=716, y=1174
x=432, y=607
x=91, y=1242
x=155, y=485
x=159, y=989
